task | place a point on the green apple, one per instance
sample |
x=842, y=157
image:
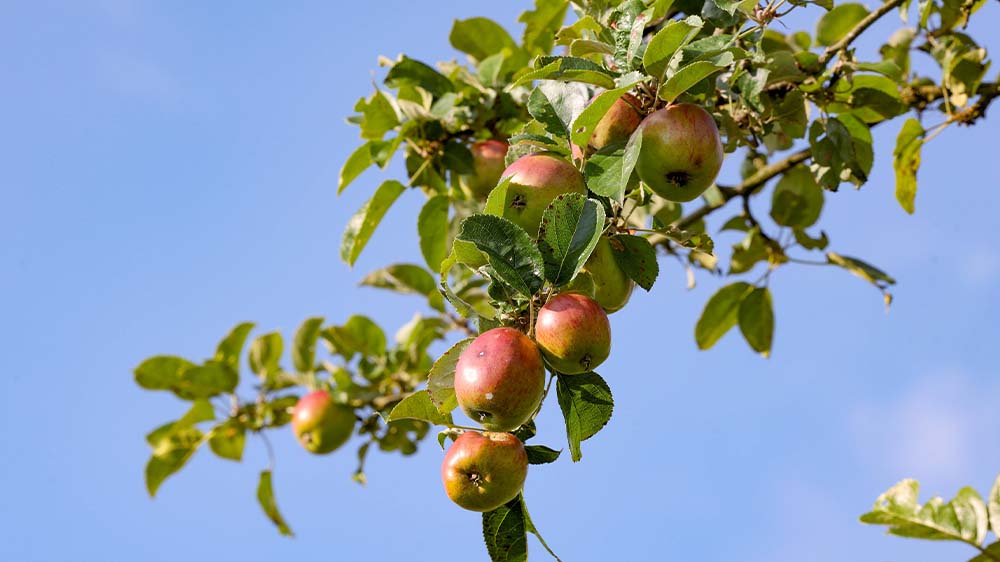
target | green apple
x=602, y=279
x=482, y=471
x=535, y=180
x=681, y=152
x=499, y=379
x=320, y=424
x=573, y=332
x=488, y=162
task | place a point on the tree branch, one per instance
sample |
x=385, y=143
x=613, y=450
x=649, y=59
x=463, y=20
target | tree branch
x=858, y=29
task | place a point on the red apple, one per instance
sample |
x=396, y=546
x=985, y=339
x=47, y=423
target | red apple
x=482, y=471
x=499, y=379
x=537, y=179
x=618, y=123
x=573, y=332
x=681, y=152
x=320, y=424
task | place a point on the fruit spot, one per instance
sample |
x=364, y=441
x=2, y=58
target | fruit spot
x=489, y=396
x=481, y=416
x=585, y=361
x=678, y=178
x=518, y=202
x=482, y=354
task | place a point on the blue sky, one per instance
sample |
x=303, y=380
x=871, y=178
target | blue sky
x=169, y=169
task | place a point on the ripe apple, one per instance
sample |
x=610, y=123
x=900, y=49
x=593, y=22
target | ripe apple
x=537, y=179
x=618, y=123
x=482, y=471
x=681, y=152
x=488, y=161
x=499, y=379
x=320, y=424
x=573, y=332
x=602, y=279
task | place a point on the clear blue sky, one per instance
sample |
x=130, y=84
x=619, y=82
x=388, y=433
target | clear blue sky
x=169, y=169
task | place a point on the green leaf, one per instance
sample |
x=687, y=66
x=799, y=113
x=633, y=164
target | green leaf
x=265, y=354
x=835, y=24
x=357, y=162
x=906, y=162
x=685, y=78
x=265, y=496
x=171, y=454
x=304, y=346
x=540, y=454
x=362, y=225
x=863, y=270
x=994, y=506
x=667, y=42
x=797, y=199
x=567, y=69
x=358, y=335
x=810, y=243
x=721, y=313
x=541, y=25
x=441, y=379
x=378, y=116
x=510, y=250
x=609, y=171
x=432, y=226
x=480, y=37
x=756, y=316
x=227, y=440
x=505, y=533
x=963, y=519
x=229, y=349
x=637, y=258
x=205, y=381
x=586, y=405
x=407, y=279
x=418, y=406
x=162, y=372
x=556, y=106
x=410, y=71
x=201, y=410
x=571, y=227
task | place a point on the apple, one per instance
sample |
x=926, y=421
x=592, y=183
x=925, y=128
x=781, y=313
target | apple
x=573, y=332
x=537, y=179
x=602, y=279
x=320, y=424
x=499, y=379
x=488, y=161
x=618, y=123
x=681, y=152
x=482, y=471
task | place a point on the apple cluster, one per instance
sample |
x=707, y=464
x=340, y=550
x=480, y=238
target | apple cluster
x=500, y=376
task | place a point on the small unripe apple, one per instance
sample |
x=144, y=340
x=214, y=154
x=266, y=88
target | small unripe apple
x=681, y=152
x=488, y=161
x=499, y=379
x=482, y=471
x=320, y=424
x=618, y=123
x=602, y=279
x=573, y=332
x=537, y=179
